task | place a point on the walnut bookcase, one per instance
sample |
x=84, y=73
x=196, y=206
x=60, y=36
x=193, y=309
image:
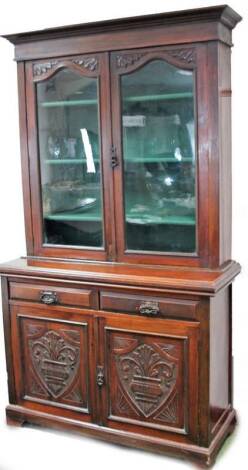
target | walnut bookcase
x=118, y=322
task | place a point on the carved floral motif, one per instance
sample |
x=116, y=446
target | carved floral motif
x=125, y=60
x=55, y=360
x=41, y=69
x=183, y=55
x=147, y=376
x=169, y=414
x=90, y=63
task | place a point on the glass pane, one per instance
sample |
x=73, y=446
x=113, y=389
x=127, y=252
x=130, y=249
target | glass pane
x=69, y=160
x=158, y=127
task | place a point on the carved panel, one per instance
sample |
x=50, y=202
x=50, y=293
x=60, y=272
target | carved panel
x=147, y=379
x=125, y=60
x=185, y=56
x=41, y=69
x=56, y=362
x=88, y=63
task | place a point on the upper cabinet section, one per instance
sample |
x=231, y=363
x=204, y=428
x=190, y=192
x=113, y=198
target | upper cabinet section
x=125, y=129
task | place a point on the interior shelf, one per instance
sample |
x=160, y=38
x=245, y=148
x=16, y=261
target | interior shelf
x=141, y=98
x=68, y=161
x=145, y=159
x=94, y=215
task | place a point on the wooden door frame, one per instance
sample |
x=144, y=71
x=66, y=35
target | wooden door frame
x=193, y=57
x=92, y=65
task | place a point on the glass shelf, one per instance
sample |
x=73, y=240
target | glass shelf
x=68, y=161
x=93, y=215
x=86, y=102
x=143, y=159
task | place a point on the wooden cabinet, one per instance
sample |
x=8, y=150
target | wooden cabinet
x=113, y=319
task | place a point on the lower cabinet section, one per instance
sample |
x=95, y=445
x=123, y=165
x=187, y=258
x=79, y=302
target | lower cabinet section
x=151, y=375
x=114, y=370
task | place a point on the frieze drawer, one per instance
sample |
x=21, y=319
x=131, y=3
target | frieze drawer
x=53, y=295
x=149, y=306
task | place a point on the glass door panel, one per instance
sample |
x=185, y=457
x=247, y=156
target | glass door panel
x=69, y=150
x=158, y=143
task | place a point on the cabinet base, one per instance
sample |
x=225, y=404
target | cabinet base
x=17, y=416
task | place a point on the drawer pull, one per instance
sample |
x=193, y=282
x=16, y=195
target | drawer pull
x=149, y=309
x=48, y=297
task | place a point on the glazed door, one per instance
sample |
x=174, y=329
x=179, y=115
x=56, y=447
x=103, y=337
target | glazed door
x=159, y=203
x=69, y=132
x=53, y=360
x=150, y=375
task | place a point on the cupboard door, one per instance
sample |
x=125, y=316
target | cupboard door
x=151, y=375
x=68, y=102
x=52, y=359
x=155, y=99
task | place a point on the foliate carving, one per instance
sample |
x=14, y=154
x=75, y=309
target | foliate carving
x=170, y=412
x=183, y=55
x=41, y=69
x=36, y=389
x=90, y=63
x=122, y=404
x=147, y=376
x=124, y=60
x=55, y=360
x=186, y=55
x=75, y=395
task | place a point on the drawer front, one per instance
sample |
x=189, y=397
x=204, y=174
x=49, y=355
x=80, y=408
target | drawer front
x=148, y=305
x=49, y=295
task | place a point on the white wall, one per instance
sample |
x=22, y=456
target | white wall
x=31, y=449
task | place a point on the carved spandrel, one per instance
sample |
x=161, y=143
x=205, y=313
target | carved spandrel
x=125, y=60
x=43, y=68
x=90, y=63
x=183, y=55
x=87, y=63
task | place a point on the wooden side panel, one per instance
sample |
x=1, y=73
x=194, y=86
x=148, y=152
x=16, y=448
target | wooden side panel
x=7, y=340
x=219, y=358
x=225, y=152
x=25, y=158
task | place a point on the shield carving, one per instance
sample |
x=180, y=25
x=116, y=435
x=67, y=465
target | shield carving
x=55, y=361
x=147, y=376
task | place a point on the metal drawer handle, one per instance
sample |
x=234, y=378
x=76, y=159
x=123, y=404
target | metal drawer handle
x=149, y=309
x=48, y=297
